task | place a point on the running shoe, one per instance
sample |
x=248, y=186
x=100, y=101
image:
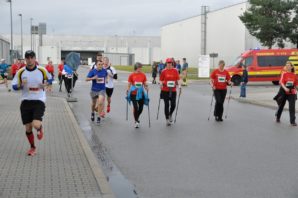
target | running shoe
x=168, y=122
x=98, y=120
x=171, y=119
x=137, y=125
x=31, y=152
x=102, y=114
x=108, y=109
x=40, y=134
x=92, y=117
x=294, y=124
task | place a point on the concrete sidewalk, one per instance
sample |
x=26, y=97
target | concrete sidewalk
x=64, y=165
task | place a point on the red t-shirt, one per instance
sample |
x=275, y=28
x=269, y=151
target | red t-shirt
x=22, y=65
x=137, y=79
x=60, y=69
x=50, y=68
x=220, y=78
x=289, y=79
x=169, y=77
x=14, y=69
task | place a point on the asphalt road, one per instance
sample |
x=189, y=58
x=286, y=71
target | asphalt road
x=248, y=155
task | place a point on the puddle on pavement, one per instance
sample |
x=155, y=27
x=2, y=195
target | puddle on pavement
x=119, y=184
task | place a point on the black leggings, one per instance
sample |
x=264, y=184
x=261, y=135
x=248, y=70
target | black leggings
x=137, y=107
x=67, y=83
x=170, y=102
x=292, y=100
x=220, y=96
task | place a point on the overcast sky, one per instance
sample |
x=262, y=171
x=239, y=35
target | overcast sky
x=97, y=17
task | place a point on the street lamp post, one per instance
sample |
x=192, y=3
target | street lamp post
x=11, y=32
x=31, y=19
x=21, y=35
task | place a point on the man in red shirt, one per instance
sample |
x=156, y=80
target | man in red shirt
x=15, y=67
x=220, y=78
x=137, y=81
x=60, y=75
x=169, y=79
x=50, y=68
x=288, y=83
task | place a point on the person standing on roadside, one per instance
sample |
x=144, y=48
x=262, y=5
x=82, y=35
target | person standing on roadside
x=169, y=80
x=244, y=80
x=135, y=92
x=98, y=76
x=288, y=83
x=220, y=78
x=184, y=72
x=33, y=81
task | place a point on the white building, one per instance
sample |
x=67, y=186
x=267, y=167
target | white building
x=144, y=49
x=226, y=35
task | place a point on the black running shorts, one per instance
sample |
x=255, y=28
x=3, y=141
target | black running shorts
x=109, y=92
x=32, y=110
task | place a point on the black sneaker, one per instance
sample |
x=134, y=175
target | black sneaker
x=294, y=124
x=277, y=119
x=92, y=117
x=216, y=118
x=220, y=119
x=98, y=120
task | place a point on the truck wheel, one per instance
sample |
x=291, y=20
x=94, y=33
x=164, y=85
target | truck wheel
x=275, y=82
x=236, y=80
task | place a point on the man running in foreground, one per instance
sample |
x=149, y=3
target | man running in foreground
x=32, y=80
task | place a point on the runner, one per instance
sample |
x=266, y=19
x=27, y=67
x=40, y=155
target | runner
x=288, y=83
x=220, y=78
x=112, y=74
x=60, y=75
x=32, y=80
x=98, y=76
x=98, y=58
x=137, y=81
x=4, y=72
x=50, y=68
x=15, y=67
x=169, y=79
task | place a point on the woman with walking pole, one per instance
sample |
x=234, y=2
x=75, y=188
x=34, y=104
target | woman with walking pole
x=169, y=80
x=220, y=78
x=137, y=82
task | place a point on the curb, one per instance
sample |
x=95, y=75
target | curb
x=102, y=182
x=260, y=103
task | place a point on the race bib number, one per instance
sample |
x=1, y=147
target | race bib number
x=171, y=84
x=138, y=84
x=221, y=79
x=33, y=90
x=100, y=80
x=290, y=84
x=69, y=75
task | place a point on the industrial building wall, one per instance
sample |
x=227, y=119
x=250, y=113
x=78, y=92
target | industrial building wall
x=226, y=33
x=4, y=49
x=182, y=39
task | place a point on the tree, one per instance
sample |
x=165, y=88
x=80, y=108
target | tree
x=293, y=34
x=269, y=20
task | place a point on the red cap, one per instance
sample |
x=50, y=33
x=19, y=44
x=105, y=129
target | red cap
x=169, y=60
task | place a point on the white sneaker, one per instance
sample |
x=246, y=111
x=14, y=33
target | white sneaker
x=137, y=125
x=171, y=119
x=168, y=122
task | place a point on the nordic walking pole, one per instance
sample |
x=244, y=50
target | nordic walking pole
x=228, y=103
x=177, y=105
x=149, y=111
x=211, y=106
x=126, y=107
x=158, y=108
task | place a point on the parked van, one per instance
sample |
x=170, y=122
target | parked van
x=262, y=64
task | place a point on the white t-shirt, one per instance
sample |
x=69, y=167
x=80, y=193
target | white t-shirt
x=111, y=72
x=32, y=89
